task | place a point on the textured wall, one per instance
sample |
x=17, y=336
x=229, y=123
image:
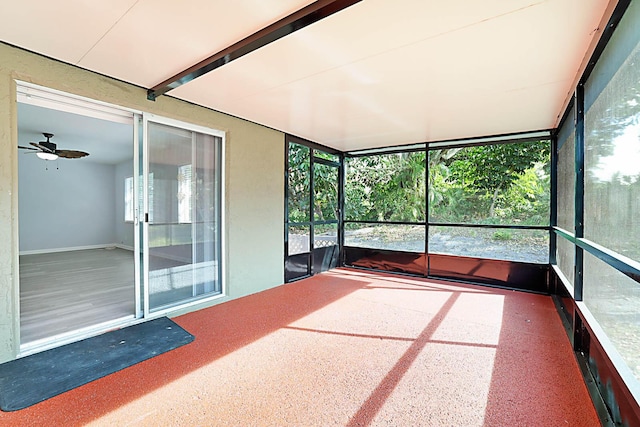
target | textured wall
x=254, y=184
x=9, y=295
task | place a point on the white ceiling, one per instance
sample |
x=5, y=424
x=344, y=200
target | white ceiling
x=379, y=73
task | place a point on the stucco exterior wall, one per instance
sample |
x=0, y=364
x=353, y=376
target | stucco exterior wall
x=254, y=165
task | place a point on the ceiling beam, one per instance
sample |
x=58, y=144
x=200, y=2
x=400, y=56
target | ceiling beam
x=285, y=26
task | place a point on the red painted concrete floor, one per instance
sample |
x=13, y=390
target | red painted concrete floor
x=348, y=348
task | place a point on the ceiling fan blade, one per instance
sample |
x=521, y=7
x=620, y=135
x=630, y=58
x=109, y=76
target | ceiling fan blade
x=42, y=147
x=71, y=154
x=27, y=148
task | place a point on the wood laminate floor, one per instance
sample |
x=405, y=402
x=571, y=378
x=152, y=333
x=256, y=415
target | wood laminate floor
x=65, y=291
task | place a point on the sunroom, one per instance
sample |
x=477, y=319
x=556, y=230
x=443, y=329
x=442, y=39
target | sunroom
x=208, y=152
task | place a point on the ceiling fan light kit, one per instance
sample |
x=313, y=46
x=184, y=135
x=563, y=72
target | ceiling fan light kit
x=47, y=150
x=46, y=156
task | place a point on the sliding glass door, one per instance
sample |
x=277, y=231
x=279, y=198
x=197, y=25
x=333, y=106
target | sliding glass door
x=182, y=205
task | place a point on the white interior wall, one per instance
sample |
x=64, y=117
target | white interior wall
x=65, y=204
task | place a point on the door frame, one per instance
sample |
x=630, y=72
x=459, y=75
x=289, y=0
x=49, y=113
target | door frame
x=312, y=268
x=32, y=94
x=57, y=100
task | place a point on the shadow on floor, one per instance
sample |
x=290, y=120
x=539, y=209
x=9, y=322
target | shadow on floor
x=349, y=348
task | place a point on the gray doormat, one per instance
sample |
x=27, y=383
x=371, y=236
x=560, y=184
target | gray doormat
x=32, y=379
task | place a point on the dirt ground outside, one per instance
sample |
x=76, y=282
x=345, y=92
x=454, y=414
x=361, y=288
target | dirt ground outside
x=512, y=245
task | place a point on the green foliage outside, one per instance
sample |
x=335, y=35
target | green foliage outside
x=490, y=184
x=386, y=188
x=325, y=183
x=299, y=183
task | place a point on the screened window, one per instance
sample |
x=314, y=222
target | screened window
x=566, y=174
x=325, y=192
x=492, y=243
x=612, y=187
x=490, y=184
x=612, y=154
x=565, y=258
x=391, y=200
x=565, y=249
x=614, y=300
x=503, y=184
x=299, y=183
x=395, y=237
x=385, y=194
x=386, y=187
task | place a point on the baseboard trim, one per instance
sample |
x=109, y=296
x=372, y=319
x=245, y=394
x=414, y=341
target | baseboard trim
x=74, y=248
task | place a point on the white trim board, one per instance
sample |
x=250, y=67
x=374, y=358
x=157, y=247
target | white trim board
x=76, y=248
x=73, y=336
x=41, y=96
